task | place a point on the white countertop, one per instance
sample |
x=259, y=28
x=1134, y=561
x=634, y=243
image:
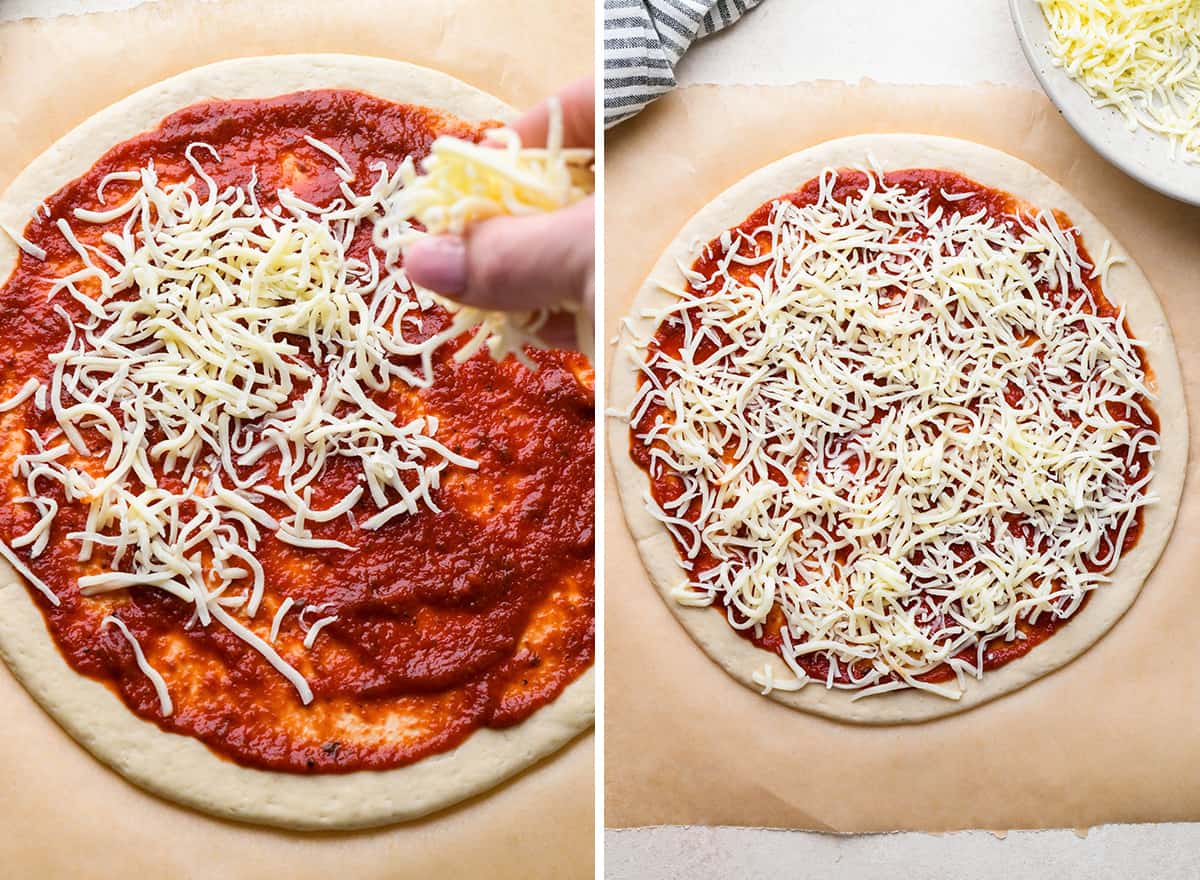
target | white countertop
x=939, y=42
x=1113, y=852
x=11, y=10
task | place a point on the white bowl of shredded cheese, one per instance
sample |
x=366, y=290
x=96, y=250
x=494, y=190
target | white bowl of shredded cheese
x=1113, y=69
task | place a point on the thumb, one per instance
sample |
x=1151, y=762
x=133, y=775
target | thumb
x=512, y=263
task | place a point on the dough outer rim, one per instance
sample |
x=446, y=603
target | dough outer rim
x=178, y=767
x=1127, y=286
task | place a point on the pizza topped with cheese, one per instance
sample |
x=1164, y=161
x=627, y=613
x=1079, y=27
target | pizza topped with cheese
x=259, y=489
x=895, y=428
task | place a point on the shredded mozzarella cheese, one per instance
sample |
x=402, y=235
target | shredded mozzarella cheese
x=277, y=620
x=156, y=679
x=23, y=243
x=215, y=332
x=311, y=636
x=837, y=423
x=462, y=183
x=1141, y=58
x=26, y=391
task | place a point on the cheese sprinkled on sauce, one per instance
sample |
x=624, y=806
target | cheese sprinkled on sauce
x=156, y=679
x=895, y=426
x=218, y=334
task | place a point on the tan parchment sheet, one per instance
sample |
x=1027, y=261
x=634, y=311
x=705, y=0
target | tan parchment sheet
x=63, y=814
x=1112, y=737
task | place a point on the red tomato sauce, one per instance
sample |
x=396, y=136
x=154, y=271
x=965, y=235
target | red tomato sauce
x=475, y=616
x=972, y=197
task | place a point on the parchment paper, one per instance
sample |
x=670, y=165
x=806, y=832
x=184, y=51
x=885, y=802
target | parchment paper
x=1112, y=737
x=63, y=814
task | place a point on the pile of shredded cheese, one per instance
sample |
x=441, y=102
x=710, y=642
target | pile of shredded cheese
x=462, y=183
x=217, y=331
x=839, y=427
x=1142, y=58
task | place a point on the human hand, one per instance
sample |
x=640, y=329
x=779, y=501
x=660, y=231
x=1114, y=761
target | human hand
x=521, y=263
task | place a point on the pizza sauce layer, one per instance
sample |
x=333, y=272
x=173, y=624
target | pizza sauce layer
x=738, y=258
x=472, y=613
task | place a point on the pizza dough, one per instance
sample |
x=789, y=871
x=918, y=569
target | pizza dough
x=1126, y=286
x=179, y=767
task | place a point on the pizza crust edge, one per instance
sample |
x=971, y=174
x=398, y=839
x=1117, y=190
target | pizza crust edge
x=179, y=767
x=1127, y=286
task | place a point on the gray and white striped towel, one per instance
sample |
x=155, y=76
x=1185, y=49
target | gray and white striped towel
x=644, y=40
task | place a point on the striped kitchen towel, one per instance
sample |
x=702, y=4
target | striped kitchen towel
x=644, y=40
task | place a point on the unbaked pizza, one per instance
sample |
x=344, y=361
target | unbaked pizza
x=330, y=549
x=902, y=429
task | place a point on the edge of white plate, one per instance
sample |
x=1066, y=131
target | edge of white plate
x=1141, y=154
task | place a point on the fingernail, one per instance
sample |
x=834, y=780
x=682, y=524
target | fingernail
x=438, y=263
x=493, y=138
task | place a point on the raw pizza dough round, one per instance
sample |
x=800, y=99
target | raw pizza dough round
x=1127, y=286
x=178, y=767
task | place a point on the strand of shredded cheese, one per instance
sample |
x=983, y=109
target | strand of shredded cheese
x=311, y=636
x=26, y=391
x=462, y=183
x=23, y=243
x=278, y=618
x=1142, y=58
x=156, y=679
x=839, y=429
